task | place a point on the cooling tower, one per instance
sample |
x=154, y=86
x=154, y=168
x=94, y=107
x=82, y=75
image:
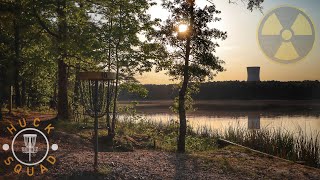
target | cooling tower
x=253, y=74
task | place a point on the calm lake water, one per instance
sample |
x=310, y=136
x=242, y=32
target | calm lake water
x=293, y=116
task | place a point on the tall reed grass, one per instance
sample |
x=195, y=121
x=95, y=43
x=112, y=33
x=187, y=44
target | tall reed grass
x=295, y=146
x=278, y=142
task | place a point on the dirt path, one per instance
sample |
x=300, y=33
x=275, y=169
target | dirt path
x=75, y=159
x=16, y=115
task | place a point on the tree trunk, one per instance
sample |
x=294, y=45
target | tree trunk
x=23, y=93
x=1, y=112
x=63, y=112
x=182, y=118
x=1, y=90
x=182, y=93
x=109, y=86
x=28, y=93
x=77, y=85
x=55, y=93
x=182, y=107
x=63, y=108
x=113, y=123
x=1, y=104
x=17, y=50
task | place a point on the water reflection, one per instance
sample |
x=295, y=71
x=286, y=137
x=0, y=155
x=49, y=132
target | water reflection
x=254, y=121
x=289, y=116
x=309, y=125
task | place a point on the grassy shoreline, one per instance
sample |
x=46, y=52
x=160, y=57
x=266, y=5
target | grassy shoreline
x=136, y=131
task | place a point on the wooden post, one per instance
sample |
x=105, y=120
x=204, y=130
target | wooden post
x=10, y=99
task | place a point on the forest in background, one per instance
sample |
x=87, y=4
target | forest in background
x=304, y=90
x=44, y=44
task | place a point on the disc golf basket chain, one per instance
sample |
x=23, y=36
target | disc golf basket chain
x=95, y=97
x=82, y=105
x=96, y=90
x=30, y=144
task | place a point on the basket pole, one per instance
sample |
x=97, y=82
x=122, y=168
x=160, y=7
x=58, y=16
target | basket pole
x=96, y=125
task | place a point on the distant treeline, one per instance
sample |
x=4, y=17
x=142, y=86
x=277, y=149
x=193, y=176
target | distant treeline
x=304, y=90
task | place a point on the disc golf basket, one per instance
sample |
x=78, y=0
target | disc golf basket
x=30, y=144
x=96, y=89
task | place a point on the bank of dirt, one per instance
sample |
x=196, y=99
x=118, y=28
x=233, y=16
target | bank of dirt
x=75, y=160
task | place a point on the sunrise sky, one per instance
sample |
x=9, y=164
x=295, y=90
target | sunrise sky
x=241, y=49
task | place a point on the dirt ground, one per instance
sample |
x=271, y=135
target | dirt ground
x=29, y=116
x=75, y=160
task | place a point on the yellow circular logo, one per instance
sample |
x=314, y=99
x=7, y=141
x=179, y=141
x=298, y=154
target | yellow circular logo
x=286, y=35
x=30, y=148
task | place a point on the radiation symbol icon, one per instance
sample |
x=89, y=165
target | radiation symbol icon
x=286, y=35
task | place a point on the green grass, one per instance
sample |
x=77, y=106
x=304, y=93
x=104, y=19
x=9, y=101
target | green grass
x=104, y=170
x=163, y=135
x=278, y=142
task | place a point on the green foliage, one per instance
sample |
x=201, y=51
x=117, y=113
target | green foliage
x=128, y=110
x=24, y=53
x=189, y=102
x=121, y=24
x=203, y=63
x=135, y=88
x=67, y=126
x=254, y=4
x=86, y=35
x=192, y=58
x=197, y=143
x=163, y=135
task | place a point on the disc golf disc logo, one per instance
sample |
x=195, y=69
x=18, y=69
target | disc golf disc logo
x=286, y=35
x=30, y=148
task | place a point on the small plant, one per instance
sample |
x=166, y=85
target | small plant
x=104, y=170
